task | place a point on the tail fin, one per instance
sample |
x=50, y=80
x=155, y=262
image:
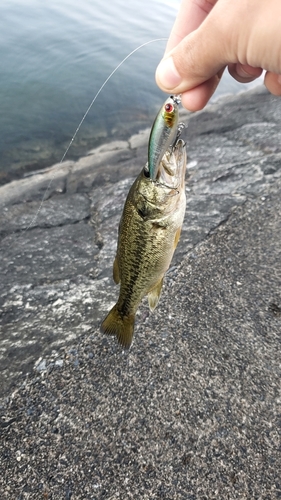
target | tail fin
x=121, y=326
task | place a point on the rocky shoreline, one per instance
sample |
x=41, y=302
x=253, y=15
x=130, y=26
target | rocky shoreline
x=193, y=410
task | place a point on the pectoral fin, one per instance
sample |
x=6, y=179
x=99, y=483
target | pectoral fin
x=177, y=237
x=154, y=295
x=116, y=275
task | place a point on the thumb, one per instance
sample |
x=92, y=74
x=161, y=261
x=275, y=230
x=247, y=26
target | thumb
x=195, y=60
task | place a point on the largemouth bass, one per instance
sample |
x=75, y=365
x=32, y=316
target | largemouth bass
x=149, y=231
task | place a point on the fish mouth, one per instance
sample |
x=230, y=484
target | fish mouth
x=171, y=172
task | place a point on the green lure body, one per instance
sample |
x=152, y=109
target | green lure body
x=163, y=134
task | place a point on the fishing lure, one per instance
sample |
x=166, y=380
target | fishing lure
x=163, y=133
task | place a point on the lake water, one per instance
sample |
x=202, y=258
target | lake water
x=54, y=56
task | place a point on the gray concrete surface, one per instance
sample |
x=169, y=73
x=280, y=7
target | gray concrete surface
x=192, y=411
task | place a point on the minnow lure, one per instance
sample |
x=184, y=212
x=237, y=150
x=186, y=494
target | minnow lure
x=164, y=133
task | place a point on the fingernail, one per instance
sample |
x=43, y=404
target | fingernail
x=279, y=79
x=167, y=74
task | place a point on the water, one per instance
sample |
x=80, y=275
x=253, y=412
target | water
x=54, y=56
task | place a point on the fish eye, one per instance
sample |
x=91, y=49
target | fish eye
x=169, y=108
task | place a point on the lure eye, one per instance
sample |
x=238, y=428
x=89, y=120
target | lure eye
x=169, y=108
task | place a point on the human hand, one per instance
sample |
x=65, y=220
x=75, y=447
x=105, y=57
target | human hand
x=209, y=35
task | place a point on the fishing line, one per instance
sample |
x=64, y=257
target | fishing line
x=85, y=115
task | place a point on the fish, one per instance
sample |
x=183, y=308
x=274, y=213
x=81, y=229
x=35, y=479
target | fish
x=148, y=234
x=163, y=133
